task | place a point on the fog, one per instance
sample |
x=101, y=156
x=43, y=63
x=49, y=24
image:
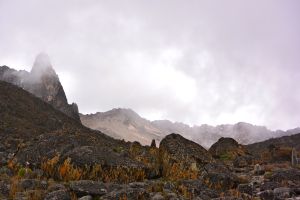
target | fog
x=201, y=62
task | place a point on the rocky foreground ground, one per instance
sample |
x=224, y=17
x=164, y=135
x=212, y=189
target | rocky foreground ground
x=225, y=178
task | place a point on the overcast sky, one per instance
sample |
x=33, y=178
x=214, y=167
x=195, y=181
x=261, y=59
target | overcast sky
x=194, y=61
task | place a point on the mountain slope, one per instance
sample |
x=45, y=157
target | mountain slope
x=33, y=131
x=123, y=124
x=292, y=141
x=43, y=82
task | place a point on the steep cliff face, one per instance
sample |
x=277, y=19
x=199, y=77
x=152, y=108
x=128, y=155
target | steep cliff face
x=43, y=82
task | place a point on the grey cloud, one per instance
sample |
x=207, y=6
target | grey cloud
x=198, y=62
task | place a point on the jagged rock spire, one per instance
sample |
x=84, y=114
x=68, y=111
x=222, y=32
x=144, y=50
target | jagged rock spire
x=43, y=82
x=153, y=144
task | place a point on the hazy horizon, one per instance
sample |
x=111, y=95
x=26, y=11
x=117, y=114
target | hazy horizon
x=197, y=63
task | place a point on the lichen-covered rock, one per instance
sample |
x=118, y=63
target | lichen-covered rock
x=228, y=198
x=227, y=149
x=138, y=185
x=127, y=193
x=266, y=195
x=196, y=188
x=58, y=195
x=87, y=187
x=286, y=175
x=270, y=185
x=88, y=197
x=56, y=186
x=242, y=161
x=29, y=184
x=182, y=158
x=221, y=181
x=245, y=188
x=216, y=167
x=4, y=188
x=218, y=176
x=157, y=196
x=283, y=193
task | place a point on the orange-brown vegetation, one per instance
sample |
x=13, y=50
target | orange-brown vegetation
x=67, y=171
x=173, y=170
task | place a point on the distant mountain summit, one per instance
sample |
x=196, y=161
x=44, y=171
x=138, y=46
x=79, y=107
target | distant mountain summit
x=128, y=125
x=43, y=82
x=123, y=124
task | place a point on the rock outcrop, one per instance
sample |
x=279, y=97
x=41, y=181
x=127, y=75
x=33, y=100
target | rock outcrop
x=227, y=149
x=43, y=82
x=182, y=158
x=276, y=149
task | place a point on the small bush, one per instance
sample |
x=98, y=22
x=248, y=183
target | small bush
x=68, y=172
x=49, y=166
x=268, y=175
x=118, y=149
x=14, y=187
x=184, y=191
x=22, y=172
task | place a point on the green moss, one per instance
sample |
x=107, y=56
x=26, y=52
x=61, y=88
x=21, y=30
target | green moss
x=225, y=156
x=268, y=175
x=118, y=149
x=23, y=171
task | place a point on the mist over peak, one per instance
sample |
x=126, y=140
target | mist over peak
x=42, y=66
x=42, y=60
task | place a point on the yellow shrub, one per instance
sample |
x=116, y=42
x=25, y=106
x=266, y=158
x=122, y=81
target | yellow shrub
x=68, y=172
x=49, y=166
x=14, y=187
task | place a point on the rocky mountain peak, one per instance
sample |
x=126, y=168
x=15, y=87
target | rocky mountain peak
x=43, y=82
x=125, y=112
x=123, y=123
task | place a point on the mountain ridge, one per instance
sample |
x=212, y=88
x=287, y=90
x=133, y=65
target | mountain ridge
x=128, y=125
x=205, y=135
